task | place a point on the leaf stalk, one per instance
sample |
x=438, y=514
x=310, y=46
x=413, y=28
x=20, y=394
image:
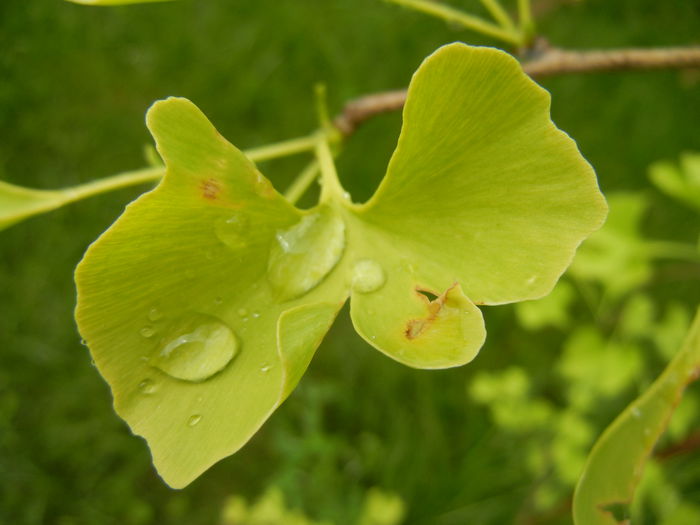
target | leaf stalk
x=474, y=23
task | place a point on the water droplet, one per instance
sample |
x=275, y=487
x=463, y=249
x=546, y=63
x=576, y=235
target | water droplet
x=154, y=314
x=147, y=331
x=196, y=349
x=148, y=387
x=218, y=300
x=193, y=420
x=367, y=276
x=636, y=412
x=233, y=231
x=256, y=315
x=531, y=280
x=306, y=253
x=265, y=368
x=83, y=342
x=242, y=312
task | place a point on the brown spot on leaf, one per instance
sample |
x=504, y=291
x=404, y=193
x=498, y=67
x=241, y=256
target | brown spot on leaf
x=210, y=188
x=415, y=327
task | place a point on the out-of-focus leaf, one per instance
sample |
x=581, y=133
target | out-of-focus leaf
x=594, y=370
x=381, y=508
x=614, y=467
x=615, y=255
x=552, y=310
x=681, y=181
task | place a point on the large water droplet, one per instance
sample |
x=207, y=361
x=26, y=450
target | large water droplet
x=196, y=349
x=193, y=420
x=306, y=253
x=233, y=231
x=367, y=276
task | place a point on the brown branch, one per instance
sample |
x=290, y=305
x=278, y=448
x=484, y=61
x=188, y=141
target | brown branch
x=549, y=62
x=690, y=444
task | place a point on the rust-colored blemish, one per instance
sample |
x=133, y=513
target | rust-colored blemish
x=210, y=188
x=415, y=327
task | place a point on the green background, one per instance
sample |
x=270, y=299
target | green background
x=75, y=83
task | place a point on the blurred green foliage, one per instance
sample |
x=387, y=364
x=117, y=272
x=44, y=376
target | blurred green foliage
x=499, y=441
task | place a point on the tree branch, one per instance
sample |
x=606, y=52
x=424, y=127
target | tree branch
x=548, y=62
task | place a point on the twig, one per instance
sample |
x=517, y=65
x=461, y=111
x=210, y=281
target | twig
x=550, y=62
x=689, y=444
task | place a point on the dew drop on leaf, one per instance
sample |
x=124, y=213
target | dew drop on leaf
x=147, y=331
x=232, y=231
x=193, y=420
x=148, y=387
x=265, y=368
x=154, y=314
x=242, y=312
x=196, y=349
x=306, y=253
x=367, y=276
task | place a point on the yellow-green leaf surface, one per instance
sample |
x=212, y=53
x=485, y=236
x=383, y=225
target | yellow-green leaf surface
x=482, y=191
x=615, y=466
x=176, y=307
x=204, y=303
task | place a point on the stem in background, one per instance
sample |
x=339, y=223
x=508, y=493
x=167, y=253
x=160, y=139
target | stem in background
x=499, y=14
x=550, y=62
x=302, y=182
x=115, y=182
x=283, y=149
x=527, y=24
x=449, y=14
x=671, y=250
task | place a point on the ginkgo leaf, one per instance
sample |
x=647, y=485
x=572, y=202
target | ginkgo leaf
x=204, y=303
x=176, y=307
x=603, y=495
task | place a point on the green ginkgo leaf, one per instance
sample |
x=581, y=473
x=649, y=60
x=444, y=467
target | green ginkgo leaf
x=204, y=303
x=603, y=495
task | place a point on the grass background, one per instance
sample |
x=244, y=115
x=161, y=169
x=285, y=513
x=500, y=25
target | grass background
x=75, y=83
